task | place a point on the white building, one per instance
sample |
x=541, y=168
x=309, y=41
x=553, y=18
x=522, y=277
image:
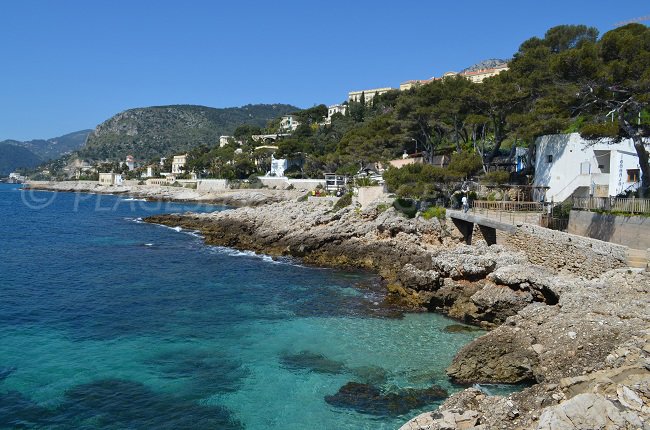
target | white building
x=280, y=165
x=368, y=95
x=110, y=179
x=289, y=123
x=334, y=109
x=130, y=162
x=572, y=166
x=178, y=164
x=223, y=140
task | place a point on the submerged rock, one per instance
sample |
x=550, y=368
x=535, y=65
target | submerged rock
x=369, y=399
x=459, y=328
x=312, y=362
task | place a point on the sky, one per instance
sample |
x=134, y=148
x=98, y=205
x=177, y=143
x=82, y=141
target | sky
x=69, y=65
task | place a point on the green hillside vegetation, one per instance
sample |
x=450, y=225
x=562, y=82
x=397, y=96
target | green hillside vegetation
x=13, y=157
x=148, y=133
x=567, y=81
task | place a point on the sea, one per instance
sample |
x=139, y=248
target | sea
x=108, y=322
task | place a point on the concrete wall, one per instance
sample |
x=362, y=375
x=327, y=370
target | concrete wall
x=211, y=185
x=632, y=231
x=563, y=252
x=283, y=183
x=367, y=195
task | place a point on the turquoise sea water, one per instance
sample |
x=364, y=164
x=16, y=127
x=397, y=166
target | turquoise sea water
x=108, y=322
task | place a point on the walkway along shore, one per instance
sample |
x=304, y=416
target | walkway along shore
x=565, y=313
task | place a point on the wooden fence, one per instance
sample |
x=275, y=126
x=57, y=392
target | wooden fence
x=612, y=204
x=508, y=206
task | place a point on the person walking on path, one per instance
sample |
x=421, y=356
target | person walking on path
x=465, y=204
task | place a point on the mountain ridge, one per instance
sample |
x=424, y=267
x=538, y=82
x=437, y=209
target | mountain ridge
x=156, y=131
x=55, y=147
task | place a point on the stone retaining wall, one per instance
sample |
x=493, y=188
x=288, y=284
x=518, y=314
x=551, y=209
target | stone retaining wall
x=565, y=252
x=282, y=183
x=209, y=185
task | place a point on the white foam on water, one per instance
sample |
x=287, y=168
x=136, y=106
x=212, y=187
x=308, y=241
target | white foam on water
x=132, y=199
x=264, y=257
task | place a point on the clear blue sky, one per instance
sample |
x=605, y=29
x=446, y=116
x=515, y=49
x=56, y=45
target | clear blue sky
x=69, y=65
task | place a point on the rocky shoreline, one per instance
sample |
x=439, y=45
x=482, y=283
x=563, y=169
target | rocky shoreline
x=236, y=198
x=580, y=341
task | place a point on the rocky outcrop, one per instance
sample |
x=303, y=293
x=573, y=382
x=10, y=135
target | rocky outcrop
x=589, y=354
x=564, y=334
x=422, y=261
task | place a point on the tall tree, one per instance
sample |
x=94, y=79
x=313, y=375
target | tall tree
x=615, y=91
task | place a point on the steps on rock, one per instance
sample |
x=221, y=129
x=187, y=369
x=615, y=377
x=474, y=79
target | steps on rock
x=637, y=258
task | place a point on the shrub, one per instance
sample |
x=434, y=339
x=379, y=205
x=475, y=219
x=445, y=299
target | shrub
x=406, y=207
x=382, y=207
x=343, y=202
x=435, y=212
x=497, y=177
x=303, y=198
x=365, y=181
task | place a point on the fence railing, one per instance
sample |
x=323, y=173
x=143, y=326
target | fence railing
x=508, y=206
x=554, y=223
x=612, y=204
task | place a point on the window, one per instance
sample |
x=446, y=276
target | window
x=633, y=175
x=549, y=158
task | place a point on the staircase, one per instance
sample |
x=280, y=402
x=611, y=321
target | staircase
x=638, y=258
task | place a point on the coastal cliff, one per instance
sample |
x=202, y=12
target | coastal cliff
x=581, y=342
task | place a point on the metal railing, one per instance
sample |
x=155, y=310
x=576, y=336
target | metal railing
x=508, y=206
x=616, y=204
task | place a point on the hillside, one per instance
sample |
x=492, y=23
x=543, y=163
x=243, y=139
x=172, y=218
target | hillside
x=55, y=147
x=157, y=131
x=13, y=157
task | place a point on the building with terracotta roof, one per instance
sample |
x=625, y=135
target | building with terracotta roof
x=478, y=76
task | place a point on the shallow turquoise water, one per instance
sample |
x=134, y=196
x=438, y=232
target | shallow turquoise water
x=107, y=322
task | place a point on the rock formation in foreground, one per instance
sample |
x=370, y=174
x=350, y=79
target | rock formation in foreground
x=581, y=342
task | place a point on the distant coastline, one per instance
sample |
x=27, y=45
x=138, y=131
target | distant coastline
x=238, y=198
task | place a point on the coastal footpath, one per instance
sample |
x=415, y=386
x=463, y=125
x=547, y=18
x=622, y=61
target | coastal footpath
x=227, y=197
x=575, y=325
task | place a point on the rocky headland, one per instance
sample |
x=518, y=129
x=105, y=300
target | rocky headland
x=243, y=197
x=574, y=326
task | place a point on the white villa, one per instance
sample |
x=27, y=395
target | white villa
x=223, y=140
x=280, y=165
x=368, y=95
x=334, y=109
x=110, y=179
x=289, y=123
x=178, y=164
x=572, y=166
x=130, y=162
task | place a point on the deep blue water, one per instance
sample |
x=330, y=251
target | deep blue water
x=108, y=322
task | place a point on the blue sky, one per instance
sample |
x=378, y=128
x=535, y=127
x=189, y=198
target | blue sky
x=69, y=65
